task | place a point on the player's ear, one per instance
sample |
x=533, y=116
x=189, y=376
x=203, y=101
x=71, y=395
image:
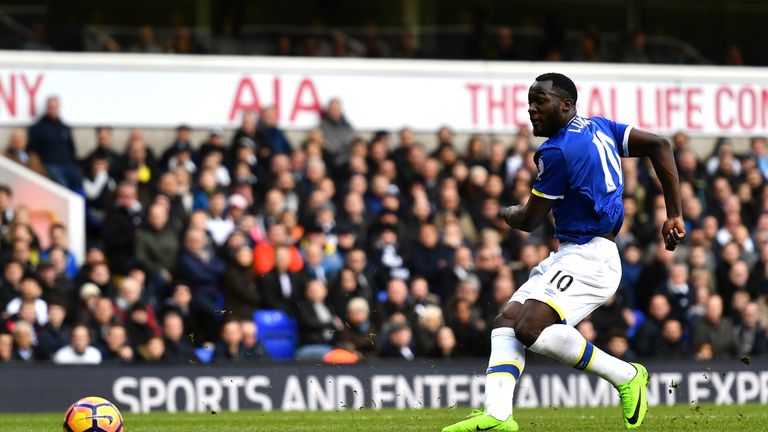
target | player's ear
x=566, y=105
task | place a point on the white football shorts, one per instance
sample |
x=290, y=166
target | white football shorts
x=575, y=280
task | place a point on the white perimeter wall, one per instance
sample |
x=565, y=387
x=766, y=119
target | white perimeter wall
x=42, y=195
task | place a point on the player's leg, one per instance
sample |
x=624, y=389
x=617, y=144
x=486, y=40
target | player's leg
x=540, y=328
x=505, y=365
x=584, y=277
x=565, y=344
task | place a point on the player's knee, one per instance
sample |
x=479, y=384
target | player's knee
x=505, y=319
x=527, y=332
x=508, y=316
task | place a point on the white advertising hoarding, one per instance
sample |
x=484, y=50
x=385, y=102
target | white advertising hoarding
x=125, y=90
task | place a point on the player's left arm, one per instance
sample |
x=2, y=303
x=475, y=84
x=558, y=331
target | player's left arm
x=528, y=217
x=642, y=143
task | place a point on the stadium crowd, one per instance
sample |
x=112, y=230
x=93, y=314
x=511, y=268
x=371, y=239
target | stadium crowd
x=379, y=247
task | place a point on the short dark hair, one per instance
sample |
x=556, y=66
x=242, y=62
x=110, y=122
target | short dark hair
x=560, y=82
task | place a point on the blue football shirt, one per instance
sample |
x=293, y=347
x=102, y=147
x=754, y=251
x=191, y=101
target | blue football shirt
x=580, y=168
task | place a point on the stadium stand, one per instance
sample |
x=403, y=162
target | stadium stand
x=210, y=233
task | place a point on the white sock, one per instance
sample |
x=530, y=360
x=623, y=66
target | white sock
x=566, y=345
x=504, y=368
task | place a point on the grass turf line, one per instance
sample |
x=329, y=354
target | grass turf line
x=663, y=418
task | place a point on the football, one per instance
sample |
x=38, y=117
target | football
x=93, y=414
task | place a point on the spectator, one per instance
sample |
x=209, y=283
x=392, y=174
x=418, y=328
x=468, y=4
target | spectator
x=399, y=341
x=198, y=321
x=317, y=324
x=318, y=265
x=29, y=291
x=678, y=291
x=116, y=348
x=98, y=186
x=6, y=212
x=101, y=319
x=215, y=144
x=219, y=224
x=103, y=148
x=461, y=268
x=177, y=348
x=631, y=269
x=470, y=334
x=647, y=336
x=503, y=288
x=152, y=351
x=120, y=227
x=273, y=136
x=587, y=329
x=247, y=137
x=183, y=42
x=180, y=153
x=618, y=346
x=337, y=132
x=281, y=287
x=147, y=42
x=17, y=152
x=200, y=268
x=138, y=316
x=672, y=344
x=13, y=272
x=428, y=256
x=358, y=331
x=173, y=191
x=232, y=347
x=504, y=48
x=79, y=350
x=6, y=347
x=430, y=322
x=54, y=281
x=397, y=302
x=387, y=257
x=157, y=245
x=55, y=333
x=60, y=239
x=751, y=333
x=51, y=139
x=265, y=251
x=636, y=51
x=714, y=330
x=445, y=346
x=241, y=294
x=25, y=348
x=253, y=349
x=421, y=296
x=138, y=165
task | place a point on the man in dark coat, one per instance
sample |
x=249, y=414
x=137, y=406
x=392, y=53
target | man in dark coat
x=52, y=140
x=281, y=288
x=120, y=225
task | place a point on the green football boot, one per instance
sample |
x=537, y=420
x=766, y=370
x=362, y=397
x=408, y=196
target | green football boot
x=634, y=404
x=482, y=421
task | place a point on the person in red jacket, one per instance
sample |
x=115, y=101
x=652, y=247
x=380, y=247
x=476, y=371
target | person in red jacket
x=264, y=252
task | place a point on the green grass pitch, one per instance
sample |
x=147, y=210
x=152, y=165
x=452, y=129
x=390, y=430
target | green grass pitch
x=663, y=418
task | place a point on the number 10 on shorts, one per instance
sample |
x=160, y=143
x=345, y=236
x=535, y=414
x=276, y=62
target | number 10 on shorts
x=561, y=282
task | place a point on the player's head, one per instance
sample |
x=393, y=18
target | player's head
x=551, y=103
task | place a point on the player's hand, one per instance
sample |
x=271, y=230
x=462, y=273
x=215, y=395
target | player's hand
x=673, y=231
x=509, y=213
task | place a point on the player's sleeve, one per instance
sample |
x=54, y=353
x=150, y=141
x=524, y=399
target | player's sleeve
x=620, y=132
x=552, y=177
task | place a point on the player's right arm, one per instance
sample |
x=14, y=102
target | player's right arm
x=641, y=143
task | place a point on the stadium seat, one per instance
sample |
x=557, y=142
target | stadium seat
x=277, y=332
